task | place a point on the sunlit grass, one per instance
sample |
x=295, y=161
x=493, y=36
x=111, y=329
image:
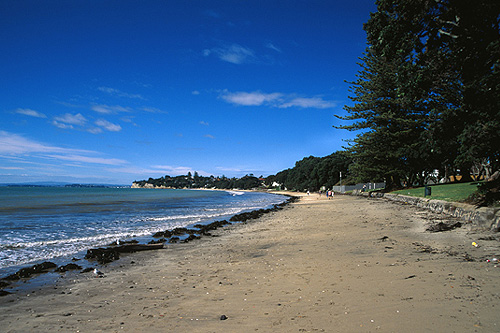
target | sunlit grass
x=456, y=192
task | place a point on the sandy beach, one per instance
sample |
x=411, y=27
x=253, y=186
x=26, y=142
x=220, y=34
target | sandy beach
x=343, y=265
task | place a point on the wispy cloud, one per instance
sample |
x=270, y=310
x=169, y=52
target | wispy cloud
x=155, y=170
x=179, y=170
x=15, y=144
x=68, y=120
x=12, y=144
x=209, y=136
x=89, y=159
x=152, y=110
x=255, y=98
x=108, y=125
x=204, y=123
x=119, y=93
x=110, y=109
x=307, y=103
x=273, y=47
x=226, y=169
x=11, y=168
x=72, y=119
x=277, y=100
x=234, y=53
x=31, y=113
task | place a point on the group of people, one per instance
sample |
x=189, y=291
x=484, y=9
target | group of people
x=329, y=194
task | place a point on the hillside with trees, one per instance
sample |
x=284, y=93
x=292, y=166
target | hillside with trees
x=312, y=173
x=247, y=182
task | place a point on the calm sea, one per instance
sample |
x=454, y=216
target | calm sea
x=57, y=223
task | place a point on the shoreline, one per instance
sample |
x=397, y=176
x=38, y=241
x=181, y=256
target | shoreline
x=346, y=264
x=36, y=276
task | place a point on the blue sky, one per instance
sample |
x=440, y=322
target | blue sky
x=116, y=91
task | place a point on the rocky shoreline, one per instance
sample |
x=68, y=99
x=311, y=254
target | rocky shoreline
x=105, y=255
x=347, y=264
x=481, y=218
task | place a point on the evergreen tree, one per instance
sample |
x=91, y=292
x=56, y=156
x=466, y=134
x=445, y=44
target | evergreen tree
x=468, y=41
x=427, y=96
x=388, y=105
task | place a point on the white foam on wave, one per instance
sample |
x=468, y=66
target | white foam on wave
x=25, y=252
x=21, y=250
x=209, y=214
x=233, y=193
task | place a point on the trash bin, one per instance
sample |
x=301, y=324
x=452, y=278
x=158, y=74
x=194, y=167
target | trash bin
x=427, y=191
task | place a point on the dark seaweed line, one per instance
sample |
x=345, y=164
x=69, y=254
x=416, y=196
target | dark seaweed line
x=112, y=251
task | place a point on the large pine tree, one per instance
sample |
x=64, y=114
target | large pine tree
x=468, y=48
x=427, y=95
x=388, y=97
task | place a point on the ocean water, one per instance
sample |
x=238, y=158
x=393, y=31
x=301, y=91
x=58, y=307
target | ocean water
x=58, y=223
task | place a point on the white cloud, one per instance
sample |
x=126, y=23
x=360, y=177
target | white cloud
x=204, y=123
x=178, y=170
x=94, y=130
x=226, y=169
x=251, y=99
x=235, y=54
x=109, y=109
x=11, y=168
x=313, y=102
x=88, y=159
x=209, y=136
x=278, y=100
x=71, y=119
x=30, y=112
x=119, y=93
x=14, y=144
x=153, y=110
x=159, y=170
x=61, y=125
x=273, y=47
x=108, y=125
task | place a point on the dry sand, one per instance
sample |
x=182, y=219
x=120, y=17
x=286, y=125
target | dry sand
x=342, y=265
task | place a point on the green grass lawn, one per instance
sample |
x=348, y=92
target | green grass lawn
x=456, y=192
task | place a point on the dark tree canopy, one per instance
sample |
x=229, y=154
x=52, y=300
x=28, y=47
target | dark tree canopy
x=247, y=182
x=311, y=173
x=427, y=96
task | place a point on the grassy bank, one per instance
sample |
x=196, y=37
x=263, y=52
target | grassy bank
x=456, y=192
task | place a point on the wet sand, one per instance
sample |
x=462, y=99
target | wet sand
x=343, y=265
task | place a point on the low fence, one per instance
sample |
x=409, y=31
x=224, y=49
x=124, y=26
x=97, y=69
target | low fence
x=368, y=186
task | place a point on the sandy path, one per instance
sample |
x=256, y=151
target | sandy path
x=342, y=265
